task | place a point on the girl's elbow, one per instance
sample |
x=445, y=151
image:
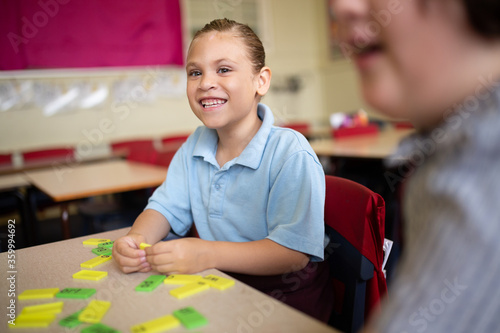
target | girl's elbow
x=300, y=262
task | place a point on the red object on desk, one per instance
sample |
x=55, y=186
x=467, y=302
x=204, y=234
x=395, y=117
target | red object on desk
x=371, y=129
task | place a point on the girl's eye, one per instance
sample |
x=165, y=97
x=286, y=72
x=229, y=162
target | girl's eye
x=223, y=70
x=194, y=73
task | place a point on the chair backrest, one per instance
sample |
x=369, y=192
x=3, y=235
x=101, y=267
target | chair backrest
x=354, y=218
x=170, y=145
x=179, y=138
x=5, y=159
x=300, y=126
x=137, y=150
x=46, y=154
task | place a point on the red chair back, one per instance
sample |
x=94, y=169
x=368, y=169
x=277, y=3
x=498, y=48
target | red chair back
x=45, y=154
x=174, y=139
x=302, y=127
x=5, y=159
x=358, y=215
x=170, y=145
x=137, y=150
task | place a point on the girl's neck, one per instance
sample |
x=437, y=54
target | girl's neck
x=233, y=141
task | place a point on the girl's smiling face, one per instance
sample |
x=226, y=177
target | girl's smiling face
x=222, y=87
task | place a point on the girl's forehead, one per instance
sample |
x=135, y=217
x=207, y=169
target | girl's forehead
x=215, y=42
x=217, y=36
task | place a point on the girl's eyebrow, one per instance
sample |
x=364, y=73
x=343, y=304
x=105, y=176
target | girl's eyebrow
x=216, y=62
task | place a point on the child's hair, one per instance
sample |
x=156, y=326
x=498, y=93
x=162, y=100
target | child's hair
x=484, y=17
x=255, y=48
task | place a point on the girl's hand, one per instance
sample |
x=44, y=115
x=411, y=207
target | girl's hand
x=127, y=254
x=181, y=256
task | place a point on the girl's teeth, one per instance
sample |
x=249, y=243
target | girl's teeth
x=213, y=103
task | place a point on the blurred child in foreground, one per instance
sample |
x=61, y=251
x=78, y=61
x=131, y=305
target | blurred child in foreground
x=437, y=63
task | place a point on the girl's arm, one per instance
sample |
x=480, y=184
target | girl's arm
x=152, y=225
x=192, y=255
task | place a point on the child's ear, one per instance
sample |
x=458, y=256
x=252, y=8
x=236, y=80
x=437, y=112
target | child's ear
x=264, y=81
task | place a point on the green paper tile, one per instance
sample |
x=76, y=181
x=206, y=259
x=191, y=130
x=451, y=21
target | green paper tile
x=99, y=328
x=71, y=320
x=150, y=283
x=76, y=293
x=107, y=245
x=102, y=251
x=190, y=318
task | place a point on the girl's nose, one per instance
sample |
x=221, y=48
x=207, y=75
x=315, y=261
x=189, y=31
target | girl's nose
x=207, y=82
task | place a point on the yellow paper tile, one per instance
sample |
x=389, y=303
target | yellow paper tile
x=90, y=275
x=94, y=311
x=95, y=261
x=95, y=241
x=156, y=325
x=218, y=282
x=142, y=246
x=48, y=308
x=189, y=289
x=38, y=293
x=182, y=279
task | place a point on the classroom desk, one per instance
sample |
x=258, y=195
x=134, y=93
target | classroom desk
x=44, y=163
x=239, y=308
x=12, y=182
x=378, y=146
x=92, y=179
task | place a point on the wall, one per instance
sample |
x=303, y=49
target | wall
x=299, y=49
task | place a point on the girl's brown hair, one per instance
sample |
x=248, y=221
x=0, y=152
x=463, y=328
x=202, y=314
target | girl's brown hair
x=255, y=48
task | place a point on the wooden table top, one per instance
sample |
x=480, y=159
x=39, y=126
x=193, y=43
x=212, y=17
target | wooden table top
x=377, y=146
x=90, y=179
x=239, y=308
x=44, y=163
x=12, y=181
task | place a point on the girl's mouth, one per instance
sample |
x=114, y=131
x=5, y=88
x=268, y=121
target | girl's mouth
x=212, y=102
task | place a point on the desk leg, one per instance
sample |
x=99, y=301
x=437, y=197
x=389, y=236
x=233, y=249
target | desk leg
x=65, y=220
x=25, y=220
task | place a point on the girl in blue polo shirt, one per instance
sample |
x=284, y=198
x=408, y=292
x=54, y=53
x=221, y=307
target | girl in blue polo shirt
x=254, y=192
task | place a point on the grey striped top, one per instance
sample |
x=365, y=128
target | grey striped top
x=448, y=279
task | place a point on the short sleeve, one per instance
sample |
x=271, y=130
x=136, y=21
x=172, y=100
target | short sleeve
x=296, y=205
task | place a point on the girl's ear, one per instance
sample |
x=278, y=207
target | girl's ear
x=263, y=81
